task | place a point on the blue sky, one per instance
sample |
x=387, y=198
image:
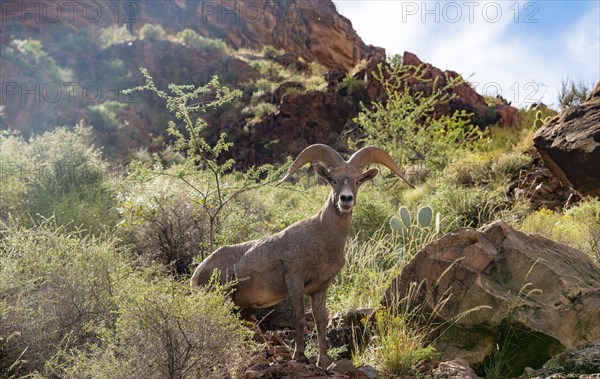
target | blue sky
x=520, y=49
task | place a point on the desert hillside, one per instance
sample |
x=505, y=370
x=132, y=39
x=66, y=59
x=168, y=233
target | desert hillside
x=158, y=220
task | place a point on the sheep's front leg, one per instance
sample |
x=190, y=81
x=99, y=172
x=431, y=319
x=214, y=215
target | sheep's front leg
x=295, y=287
x=320, y=314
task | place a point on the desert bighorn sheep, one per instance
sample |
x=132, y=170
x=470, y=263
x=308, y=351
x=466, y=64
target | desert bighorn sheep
x=304, y=257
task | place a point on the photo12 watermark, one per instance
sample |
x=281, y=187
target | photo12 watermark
x=64, y=92
x=248, y=11
x=57, y=173
x=517, y=93
x=471, y=11
x=118, y=12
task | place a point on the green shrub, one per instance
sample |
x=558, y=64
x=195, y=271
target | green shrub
x=578, y=227
x=59, y=173
x=272, y=71
x=152, y=32
x=509, y=165
x=163, y=223
x=406, y=124
x=72, y=307
x=33, y=67
x=370, y=214
x=58, y=286
x=255, y=113
x=460, y=206
x=103, y=117
x=190, y=38
x=115, y=34
x=354, y=88
x=270, y=52
x=493, y=169
x=400, y=345
x=13, y=174
x=163, y=332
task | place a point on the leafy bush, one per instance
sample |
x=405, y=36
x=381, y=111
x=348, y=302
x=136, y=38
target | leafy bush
x=152, y=32
x=270, y=52
x=354, y=88
x=59, y=173
x=578, y=227
x=406, y=124
x=163, y=332
x=370, y=215
x=255, y=113
x=487, y=169
x=190, y=38
x=163, y=223
x=58, y=288
x=73, y=307
x=205, y=162
x=103, y=117
x=115, y=34
x=273, y=71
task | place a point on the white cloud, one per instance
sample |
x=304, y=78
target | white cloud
x=490, y=39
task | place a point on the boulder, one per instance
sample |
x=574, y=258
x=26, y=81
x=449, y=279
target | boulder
x=457, y=369
x=570, y=145
x=579, y=362
x=505, y=291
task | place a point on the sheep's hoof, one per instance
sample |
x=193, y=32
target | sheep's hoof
x=324, y=362
x=300, y=358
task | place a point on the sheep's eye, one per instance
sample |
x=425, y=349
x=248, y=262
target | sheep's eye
x=333, y=181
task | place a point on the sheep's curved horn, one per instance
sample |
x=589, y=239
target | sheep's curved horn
x=315, y=153
x=371, y=154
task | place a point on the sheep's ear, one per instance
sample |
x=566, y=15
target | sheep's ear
x=322, y=172
x=368, y=175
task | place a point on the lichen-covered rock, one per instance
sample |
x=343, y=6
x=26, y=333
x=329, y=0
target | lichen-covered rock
x=456, y=369
x=537, y=294
x=570, y=145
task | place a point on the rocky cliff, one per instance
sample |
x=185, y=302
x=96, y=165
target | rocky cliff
x=62, y=47
x=311, y=29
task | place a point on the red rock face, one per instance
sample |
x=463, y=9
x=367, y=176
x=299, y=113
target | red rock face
x=311, y=29
x=301, y=119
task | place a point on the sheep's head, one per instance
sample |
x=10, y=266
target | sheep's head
x=345, y=177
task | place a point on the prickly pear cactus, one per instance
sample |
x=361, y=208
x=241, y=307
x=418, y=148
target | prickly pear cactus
x=424, y=219
x=397, y=224
x=425, y=216
x=405, y=216
x=538, y=123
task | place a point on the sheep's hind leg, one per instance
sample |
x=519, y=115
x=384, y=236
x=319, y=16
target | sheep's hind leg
x=319, y=309
x=296, y=297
